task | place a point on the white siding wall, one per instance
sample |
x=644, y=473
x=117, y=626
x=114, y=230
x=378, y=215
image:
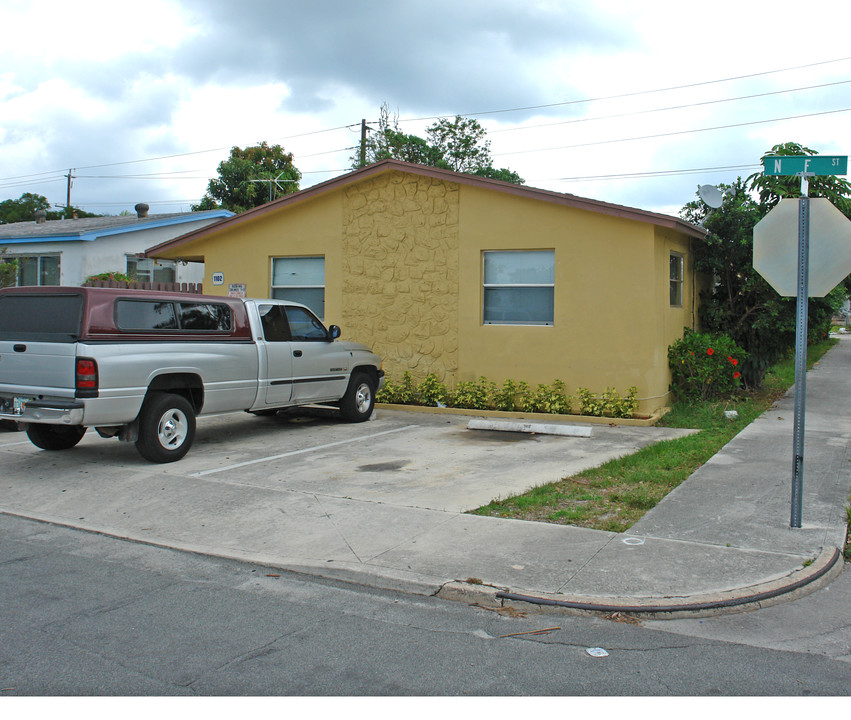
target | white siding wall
x=81, y=258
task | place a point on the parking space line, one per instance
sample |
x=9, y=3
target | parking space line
x=300, y=452
x=25, y=442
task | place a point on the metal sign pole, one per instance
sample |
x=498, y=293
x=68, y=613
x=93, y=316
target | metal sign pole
x=773, y=250
x=801, y=354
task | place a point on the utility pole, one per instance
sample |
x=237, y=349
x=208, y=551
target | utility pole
x=363, y=142
x=68, y=194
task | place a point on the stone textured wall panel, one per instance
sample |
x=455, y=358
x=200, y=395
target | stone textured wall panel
x=400, y=263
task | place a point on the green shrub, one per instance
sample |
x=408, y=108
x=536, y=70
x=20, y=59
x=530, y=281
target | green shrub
x=483, y=394
x=472, y=394
x=404, y=393
x=549, y=399
x=432, y=392
x=119, y=276
x=705, y=367
x=609, y=404
x=506, y=397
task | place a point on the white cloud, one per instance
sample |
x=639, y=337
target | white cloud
x=98, y=83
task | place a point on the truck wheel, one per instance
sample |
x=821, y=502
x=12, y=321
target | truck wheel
x=55, y=437
x=359, y=400
x=166, y=428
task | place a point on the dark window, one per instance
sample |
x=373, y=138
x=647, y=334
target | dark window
x=40, y=317
x=145, y=315
x=676, y=280
x=301, y=280
x=150, y=270
x=304, y=325
x=204, y=316
x=35, y=270
x=519, y=287
x=274, y=323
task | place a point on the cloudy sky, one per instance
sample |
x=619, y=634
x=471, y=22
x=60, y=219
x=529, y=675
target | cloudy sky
x=635, y=103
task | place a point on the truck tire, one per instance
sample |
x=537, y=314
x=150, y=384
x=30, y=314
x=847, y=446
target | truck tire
x=358, y=402
x=55, y=437
x=166, y=428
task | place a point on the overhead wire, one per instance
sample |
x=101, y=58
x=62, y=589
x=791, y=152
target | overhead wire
x=675, y=132
x=39, y=177
x=666, y=109
x=484, y=112
x=634, y=93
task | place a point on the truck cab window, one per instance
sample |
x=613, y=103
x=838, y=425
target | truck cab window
x=204, y=316
x=304, y=325
x=145, y=315
x=274, y=323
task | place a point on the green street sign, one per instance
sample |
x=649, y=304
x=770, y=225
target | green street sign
x=806, y=164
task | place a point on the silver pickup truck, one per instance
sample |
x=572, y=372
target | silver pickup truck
x=141, y=365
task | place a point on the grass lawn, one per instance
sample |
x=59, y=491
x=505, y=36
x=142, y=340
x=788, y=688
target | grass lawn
x=615, y=495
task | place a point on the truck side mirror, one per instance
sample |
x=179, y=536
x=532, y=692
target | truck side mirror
x=333, y=333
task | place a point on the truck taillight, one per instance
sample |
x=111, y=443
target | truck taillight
x=87, y=374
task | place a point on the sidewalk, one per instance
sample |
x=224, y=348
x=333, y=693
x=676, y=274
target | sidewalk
x=720, y=542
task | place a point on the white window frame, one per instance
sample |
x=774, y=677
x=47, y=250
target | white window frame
x=39, y=267
x=148, y=267
x=515, y=286
x=319, y=312
x=677, y=284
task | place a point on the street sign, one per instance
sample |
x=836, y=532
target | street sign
x=775, y=247
x=805, y=164
x=802, y=274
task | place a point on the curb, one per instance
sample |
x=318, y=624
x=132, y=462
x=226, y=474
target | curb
x=544, y=417
x=823, y=570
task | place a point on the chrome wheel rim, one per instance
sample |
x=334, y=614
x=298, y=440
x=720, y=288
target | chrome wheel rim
x=172, y=429
x=363, y=398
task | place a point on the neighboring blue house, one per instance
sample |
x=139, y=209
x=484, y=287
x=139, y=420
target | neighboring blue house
x=66, y=252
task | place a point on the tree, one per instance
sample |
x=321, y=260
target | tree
x=8, y=271
x=503, y=174
x=461, y=143
x=237, y=189
x=25, y=207
x=458, y=145
x=741, y=303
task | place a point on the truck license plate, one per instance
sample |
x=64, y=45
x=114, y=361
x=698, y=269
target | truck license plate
x=18, y=406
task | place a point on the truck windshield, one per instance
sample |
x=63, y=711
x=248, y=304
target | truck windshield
x=48, y=318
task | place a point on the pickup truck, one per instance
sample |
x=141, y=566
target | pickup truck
x=141, y=365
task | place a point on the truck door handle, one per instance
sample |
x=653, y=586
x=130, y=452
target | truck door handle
x=296, y=353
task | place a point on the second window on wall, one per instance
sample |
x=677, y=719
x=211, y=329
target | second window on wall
x=676, y=280
x=150, y=270
x=301, y=280
x=519, y=287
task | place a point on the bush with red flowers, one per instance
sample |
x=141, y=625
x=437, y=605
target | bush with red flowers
x=705, y=367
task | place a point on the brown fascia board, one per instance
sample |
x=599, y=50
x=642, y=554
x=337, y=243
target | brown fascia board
x=595, y=206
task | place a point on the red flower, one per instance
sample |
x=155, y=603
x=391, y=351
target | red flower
x=710, y=351
x=733, y=360
x=737, y=374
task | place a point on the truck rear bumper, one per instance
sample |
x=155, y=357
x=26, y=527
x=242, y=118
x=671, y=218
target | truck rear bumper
x=50, y=412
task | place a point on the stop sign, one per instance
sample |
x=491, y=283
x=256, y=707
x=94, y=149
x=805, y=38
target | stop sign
x=775, y=247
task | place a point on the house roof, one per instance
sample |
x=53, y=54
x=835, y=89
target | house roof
x=385, y=166
x=89, y=229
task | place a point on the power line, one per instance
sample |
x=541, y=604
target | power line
x=676, y=132
x=633, y=94
x=484, y=112
x=661, y=173
x=666, y=109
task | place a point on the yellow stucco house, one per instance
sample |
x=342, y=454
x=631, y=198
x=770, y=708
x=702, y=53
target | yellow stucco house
x=461, y=276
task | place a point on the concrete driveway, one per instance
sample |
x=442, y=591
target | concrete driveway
x=407, y=459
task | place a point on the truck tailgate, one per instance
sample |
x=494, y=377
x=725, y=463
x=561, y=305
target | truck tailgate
x=43, y=368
